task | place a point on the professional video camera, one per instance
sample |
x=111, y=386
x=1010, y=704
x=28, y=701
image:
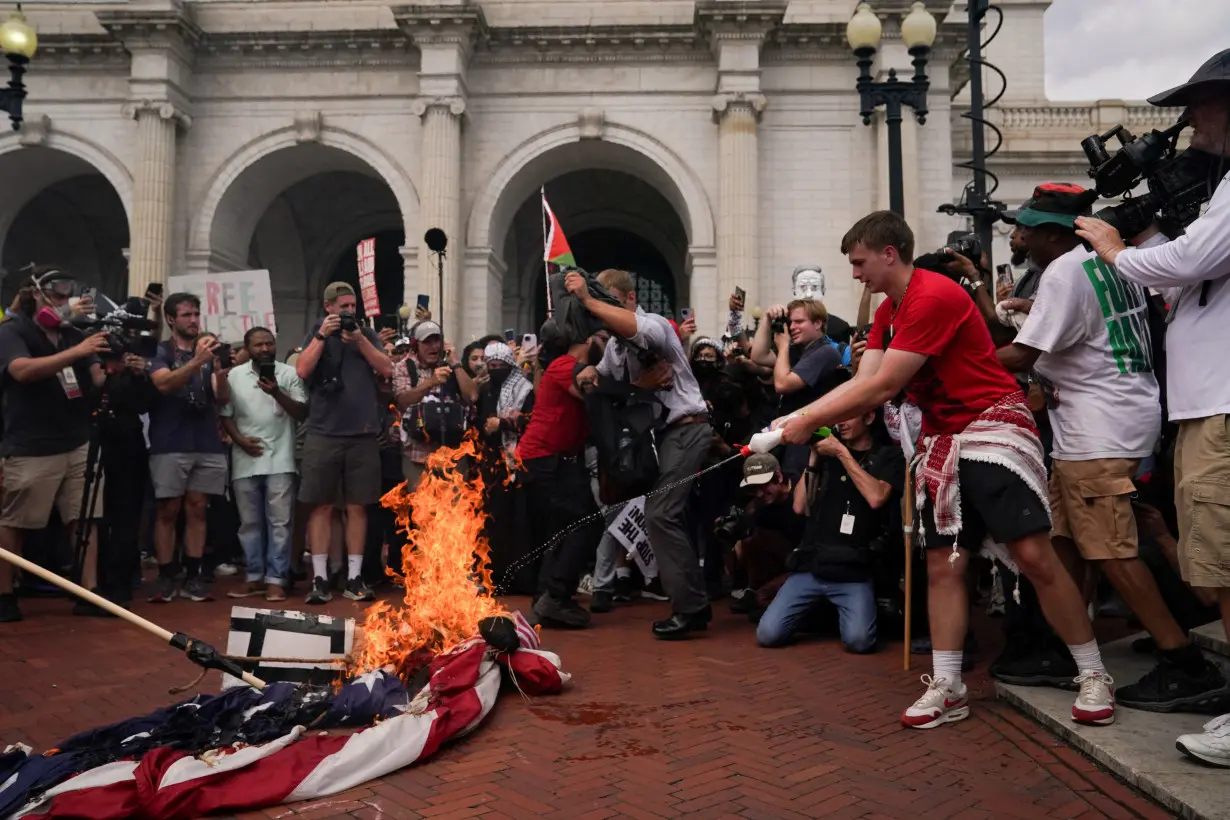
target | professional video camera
x=966, y=244
x=126, y=328
x=1178, y=182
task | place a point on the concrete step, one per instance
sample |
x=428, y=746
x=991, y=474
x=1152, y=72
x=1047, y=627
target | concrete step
x=1140, y=746
x=1212, y=638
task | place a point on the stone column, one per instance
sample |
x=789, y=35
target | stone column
x=737, y=115
x=440, y=198
x=153, y=196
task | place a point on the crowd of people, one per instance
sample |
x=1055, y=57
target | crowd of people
x=1027, y=434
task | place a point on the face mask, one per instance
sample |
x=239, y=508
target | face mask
x=704, y=369
x=49, y=317
x=499, y=375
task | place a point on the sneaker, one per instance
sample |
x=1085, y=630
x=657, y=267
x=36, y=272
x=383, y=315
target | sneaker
x=549, y=611
x=9, y=611
x=226, y=570
x=938, y=705
x=358, y=590
x=1047, y=667
x=1095, y=704
x=601, y=601
x=653, y=590
x=1168, y=688
x=196, y=589
x=996, y=603
x=586, y=585
x=248, y=590
x=623, y=590
x=1212, y=746
x=742, y=601
x=85, y=609
x=164, y=591
x=319, y=593
x=274, y=594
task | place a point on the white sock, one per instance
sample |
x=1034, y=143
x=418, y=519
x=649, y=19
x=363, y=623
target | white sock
x=354, y=563
x=946, y=665
x=320, y=566
x=1087, y=657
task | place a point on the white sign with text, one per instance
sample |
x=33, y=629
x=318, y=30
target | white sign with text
x=231, y=303
x=630, y=530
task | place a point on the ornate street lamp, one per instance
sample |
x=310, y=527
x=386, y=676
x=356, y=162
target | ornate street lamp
x=18, y=42
x=918, y=33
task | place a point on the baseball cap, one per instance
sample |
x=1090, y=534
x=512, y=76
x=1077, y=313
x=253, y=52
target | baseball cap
x=425, y=330
x=1009, y=217
x=1215, y=70
x=336, y=289
x=1055, y=203
x=759, y=469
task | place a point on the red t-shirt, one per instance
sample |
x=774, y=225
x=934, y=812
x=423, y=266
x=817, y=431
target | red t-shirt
x=962, y=377
x=559, y=424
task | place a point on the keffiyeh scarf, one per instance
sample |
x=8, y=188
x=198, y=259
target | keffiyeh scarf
x=513, y=393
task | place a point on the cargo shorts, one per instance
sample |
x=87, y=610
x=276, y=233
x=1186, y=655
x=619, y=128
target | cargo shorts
x=1202, y=496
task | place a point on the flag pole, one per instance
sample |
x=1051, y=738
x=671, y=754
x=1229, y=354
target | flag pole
x=198, y=652
x=546, y=264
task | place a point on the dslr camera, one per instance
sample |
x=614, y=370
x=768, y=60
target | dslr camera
x=965, y=244
x=734, y=525
x=1177, y=181
x=348, y=322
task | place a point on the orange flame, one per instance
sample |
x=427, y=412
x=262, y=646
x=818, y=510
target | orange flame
x=446, y=557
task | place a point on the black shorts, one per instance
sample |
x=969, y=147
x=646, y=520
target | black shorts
x=340, y=470
x=994, y=501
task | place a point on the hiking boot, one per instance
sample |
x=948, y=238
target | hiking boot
x=1169, y=688
x=1212, y=746
x=1096, y=702
x=601, y=601
x=549, y=611
x=358, y=590
x=940, y=704
x=319, y=593
x=164, y=590
x=196, y=589
x=248, y=590
x=9, y=612
x=1047, y=667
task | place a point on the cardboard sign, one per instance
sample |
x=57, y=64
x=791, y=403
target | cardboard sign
x=630, y=530
x=367, y=278
x=231, y=303
x=274, y=633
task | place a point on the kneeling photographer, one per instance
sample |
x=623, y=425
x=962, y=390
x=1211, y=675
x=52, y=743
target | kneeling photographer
x=760, y=537
x=847, y=493
x=48, y=372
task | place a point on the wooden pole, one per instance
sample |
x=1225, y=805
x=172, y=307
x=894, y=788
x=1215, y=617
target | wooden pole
x=102, y=603
x=907, y=524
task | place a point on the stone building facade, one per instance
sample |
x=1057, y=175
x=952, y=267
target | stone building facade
x=706, y=144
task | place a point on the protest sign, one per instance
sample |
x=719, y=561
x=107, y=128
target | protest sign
x=367, y=278
x=630, y=530
x=272, y=633
x=231, y=303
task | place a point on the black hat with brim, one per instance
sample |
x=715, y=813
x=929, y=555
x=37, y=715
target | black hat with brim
x=1214, y=72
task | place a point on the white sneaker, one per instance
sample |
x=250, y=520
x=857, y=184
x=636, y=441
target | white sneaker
x=938, y=705
x=1213, y=746
x=226, y=569
x=1095, y=704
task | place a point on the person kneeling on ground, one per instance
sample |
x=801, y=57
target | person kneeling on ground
x=846, y=493
x=762, y=535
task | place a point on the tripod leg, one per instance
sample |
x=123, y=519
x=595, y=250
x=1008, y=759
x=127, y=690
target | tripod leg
x=89, y=499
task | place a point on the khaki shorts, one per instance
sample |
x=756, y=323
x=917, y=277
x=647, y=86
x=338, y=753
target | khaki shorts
x=35, y=484
x=1091, y=504
x=1202, y=496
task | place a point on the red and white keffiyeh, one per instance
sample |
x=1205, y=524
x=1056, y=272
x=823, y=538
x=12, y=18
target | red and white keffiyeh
x=1003, y=434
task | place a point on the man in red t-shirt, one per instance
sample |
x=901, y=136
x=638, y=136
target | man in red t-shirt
x=552, y=450
x=979, y=458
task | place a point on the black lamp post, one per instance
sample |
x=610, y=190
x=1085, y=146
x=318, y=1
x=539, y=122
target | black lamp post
x=18, y=42
x=918, y=33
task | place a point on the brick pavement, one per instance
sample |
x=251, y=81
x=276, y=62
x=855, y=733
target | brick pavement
x=713, y=727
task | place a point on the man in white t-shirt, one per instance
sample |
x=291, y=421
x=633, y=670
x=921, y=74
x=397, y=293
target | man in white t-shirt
x=1088, y=336
x=267, y=399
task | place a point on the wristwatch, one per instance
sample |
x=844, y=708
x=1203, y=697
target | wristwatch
x=974, y=284
x=319, y=336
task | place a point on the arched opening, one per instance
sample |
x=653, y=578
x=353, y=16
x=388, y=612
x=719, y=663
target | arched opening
x=59, y=209
x=299, y=213
x=613, y=219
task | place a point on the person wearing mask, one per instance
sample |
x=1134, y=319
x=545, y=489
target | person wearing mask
x=978, y=467
x=187, y=456
x=645, y=349
x=1193, y=272
x=341, y=453
x=261, y=419
x=47, y=370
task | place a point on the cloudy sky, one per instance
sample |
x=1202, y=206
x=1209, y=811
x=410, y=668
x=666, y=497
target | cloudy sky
x=1129, y=49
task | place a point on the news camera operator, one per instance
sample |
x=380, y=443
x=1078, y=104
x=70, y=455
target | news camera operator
x=1193, y=270
x=48, y=370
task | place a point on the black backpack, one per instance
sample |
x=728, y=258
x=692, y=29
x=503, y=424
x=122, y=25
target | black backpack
x=439, y=418
x=624, y=425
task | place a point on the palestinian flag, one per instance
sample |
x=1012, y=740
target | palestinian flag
x=555, y=245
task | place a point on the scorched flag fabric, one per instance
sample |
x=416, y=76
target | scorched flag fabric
x=176, y=779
